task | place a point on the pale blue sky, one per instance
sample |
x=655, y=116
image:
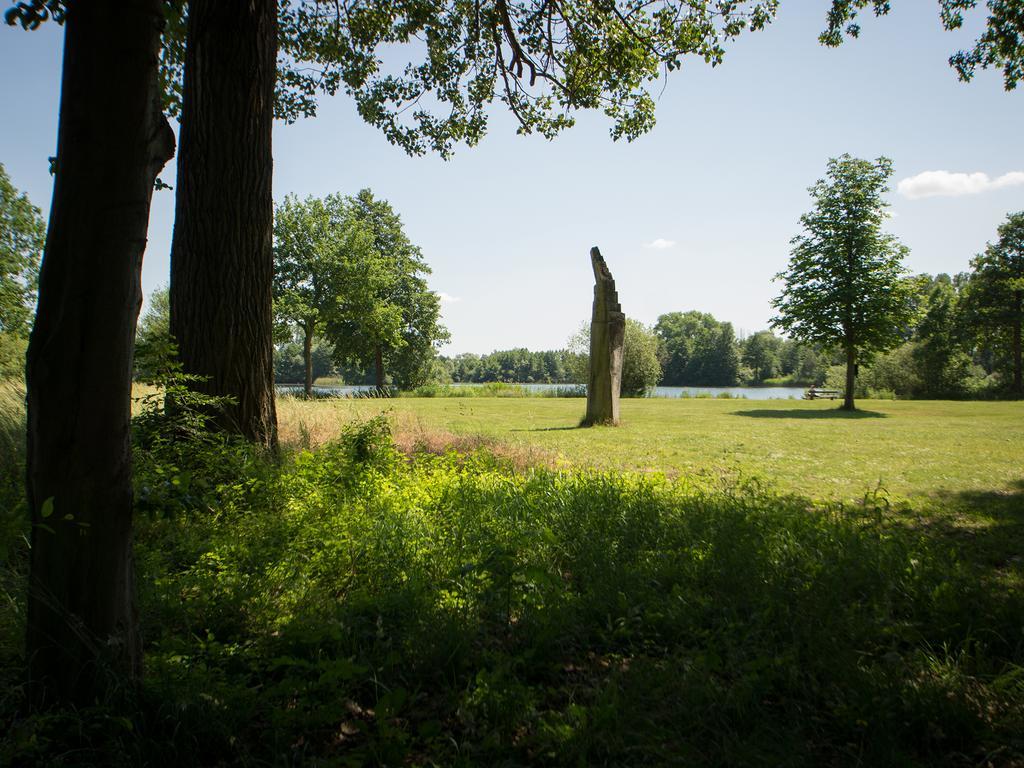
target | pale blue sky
x=507, y=225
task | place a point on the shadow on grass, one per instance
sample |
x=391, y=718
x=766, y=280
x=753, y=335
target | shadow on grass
x=549, y=429
x=794, y=413
x=986, y=527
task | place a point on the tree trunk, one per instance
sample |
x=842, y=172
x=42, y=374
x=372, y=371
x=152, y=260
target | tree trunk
x=379, y=366
x=222, y=264
x=82, y=639
x=307, y=358
x=851, y=379
x=1018, y=384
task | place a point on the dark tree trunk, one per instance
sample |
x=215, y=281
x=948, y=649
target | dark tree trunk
x=851, y=379
x=222, y=265
x=82, y=635
x=379, y=366
x=1018, y=384
x=307, y=358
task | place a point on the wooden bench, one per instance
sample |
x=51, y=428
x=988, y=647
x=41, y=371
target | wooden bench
x=817, y=393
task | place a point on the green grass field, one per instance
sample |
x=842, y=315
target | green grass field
x=911, y=448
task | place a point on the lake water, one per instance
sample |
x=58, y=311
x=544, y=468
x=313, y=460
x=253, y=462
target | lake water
x=749, y=393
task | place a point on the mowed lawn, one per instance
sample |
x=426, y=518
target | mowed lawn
x=909, y=448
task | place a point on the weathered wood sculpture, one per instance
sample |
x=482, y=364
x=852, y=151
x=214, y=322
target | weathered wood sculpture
x=607, y=334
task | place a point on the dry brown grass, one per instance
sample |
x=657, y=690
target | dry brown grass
x=308, y=424
x=412, y=434
x=305, y=424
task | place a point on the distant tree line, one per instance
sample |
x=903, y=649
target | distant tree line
x=518, y=365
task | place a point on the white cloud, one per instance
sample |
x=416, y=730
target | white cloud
x=660, y=244
x=447, y=298
x=947, y=184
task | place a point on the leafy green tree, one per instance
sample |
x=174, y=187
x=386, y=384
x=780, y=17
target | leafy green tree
x=22, y=236
x=695, y=348
x=940, y=350
x=761, y=355
x=893, y=373
x=641, y=368
x=465, y=367
x=679, y=333
x=155, y=350
x=845, y=285
x=290, y=361
x=721, y=360
x=995, y=294
x=386, y=317
x=801, y=363
x=315, y=241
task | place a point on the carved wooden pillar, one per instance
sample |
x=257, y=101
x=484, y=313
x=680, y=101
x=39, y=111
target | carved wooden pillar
x=607, y=334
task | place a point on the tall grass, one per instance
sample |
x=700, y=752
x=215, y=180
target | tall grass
x=12, y=428
x=13, y=541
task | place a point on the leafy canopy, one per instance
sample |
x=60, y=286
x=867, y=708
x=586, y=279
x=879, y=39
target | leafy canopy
x=542, y=59
x=845, y=285
x=1001, y=45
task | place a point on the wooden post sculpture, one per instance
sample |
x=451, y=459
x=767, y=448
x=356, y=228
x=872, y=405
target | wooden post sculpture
x=607, y=334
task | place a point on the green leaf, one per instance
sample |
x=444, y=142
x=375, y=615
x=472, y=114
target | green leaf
x=47, y=508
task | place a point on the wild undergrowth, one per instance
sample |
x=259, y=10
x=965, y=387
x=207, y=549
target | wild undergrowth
x=13, y=542
x=350, y=605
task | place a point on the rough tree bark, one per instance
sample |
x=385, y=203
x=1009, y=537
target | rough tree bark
x=307, y=359
x=851, y=379
x=378, y=360
x=222, y=264
x=112, y=141
x=1018, y=380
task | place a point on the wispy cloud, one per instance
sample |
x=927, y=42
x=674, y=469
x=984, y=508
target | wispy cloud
x=447, y=298
x=947, y=184
x=660, y=244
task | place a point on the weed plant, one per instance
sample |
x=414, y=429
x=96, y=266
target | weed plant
x=355, y=606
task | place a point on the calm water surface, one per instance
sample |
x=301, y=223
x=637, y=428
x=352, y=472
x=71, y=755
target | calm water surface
x=749, y=393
